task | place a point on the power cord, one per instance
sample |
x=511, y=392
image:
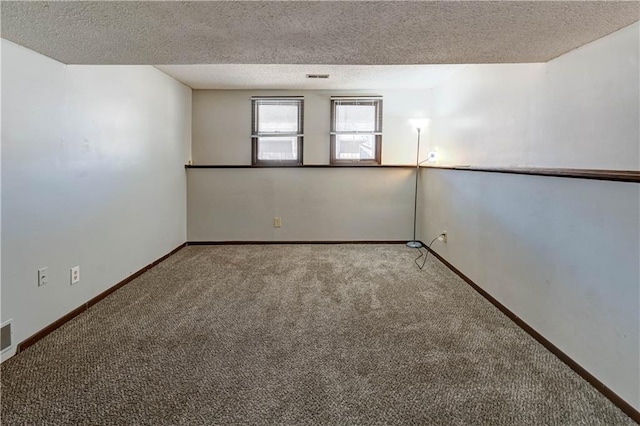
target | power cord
x=426, y=253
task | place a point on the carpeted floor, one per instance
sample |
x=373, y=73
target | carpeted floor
x=295, y=334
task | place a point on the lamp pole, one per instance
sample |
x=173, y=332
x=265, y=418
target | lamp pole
x=414, y=243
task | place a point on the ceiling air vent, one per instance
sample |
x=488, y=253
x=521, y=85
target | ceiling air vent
x=317, y=75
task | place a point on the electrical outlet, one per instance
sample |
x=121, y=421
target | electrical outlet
x=43, y=276
x=443, y=237
x=75, y=275
x=277, y=222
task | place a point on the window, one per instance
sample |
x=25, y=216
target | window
x=276, y=131
x=356, y=130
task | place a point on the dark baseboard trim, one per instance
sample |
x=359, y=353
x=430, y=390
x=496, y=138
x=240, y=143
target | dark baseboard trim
x=48, y=329
x=595, y=174
x=238, y=243
x=601, y=387
x=80, y=309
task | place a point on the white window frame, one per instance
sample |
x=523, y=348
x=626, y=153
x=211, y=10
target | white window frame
x=256, y=101
x=376, y=133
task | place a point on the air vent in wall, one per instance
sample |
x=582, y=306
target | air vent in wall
x=6, y=336
x=317, y=75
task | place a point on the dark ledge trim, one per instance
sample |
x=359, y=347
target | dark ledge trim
x=595, y=174
x=305, y=166
x=80, y=309
x=600, y=387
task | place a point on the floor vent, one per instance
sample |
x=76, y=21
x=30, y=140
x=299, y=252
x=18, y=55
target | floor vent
x=6, y=336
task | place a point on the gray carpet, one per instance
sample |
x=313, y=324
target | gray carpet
x=295, y=334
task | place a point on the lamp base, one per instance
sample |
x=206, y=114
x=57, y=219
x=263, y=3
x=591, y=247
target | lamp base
x=414, y=244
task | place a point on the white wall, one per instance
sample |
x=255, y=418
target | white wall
x=330, y=204
x=315, y=204
x=563, y=254
x=578, y=111
x=222, y=124
x=92, y=175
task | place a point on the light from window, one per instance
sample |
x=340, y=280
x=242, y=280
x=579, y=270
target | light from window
x=277, y=131
x=356, y=130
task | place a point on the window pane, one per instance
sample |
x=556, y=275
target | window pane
x=355, y=118
x=278, y=148
x=278, y=118
x=355, y=147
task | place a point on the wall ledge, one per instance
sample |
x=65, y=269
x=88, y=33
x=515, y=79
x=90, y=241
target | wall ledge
x=595, y=174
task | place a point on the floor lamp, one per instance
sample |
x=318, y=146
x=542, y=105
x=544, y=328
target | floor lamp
x=419, y=124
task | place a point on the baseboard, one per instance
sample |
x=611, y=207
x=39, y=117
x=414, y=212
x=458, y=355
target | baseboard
x=582, y=372
x=80, y=309
x=217, y=243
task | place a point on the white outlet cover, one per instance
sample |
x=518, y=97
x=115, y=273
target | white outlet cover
x=75, y=275
x=43, y=276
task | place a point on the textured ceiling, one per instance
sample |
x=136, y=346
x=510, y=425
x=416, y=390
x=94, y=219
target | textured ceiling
x=342, y=77
x=310, y=32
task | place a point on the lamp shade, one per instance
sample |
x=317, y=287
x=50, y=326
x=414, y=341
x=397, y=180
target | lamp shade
x=419, y=123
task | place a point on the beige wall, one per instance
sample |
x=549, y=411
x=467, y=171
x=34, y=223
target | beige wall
x=92, y=175
x=579, y=110
x=562, y=254
x=336, y=204
x=222, y=124
x=316, y=204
